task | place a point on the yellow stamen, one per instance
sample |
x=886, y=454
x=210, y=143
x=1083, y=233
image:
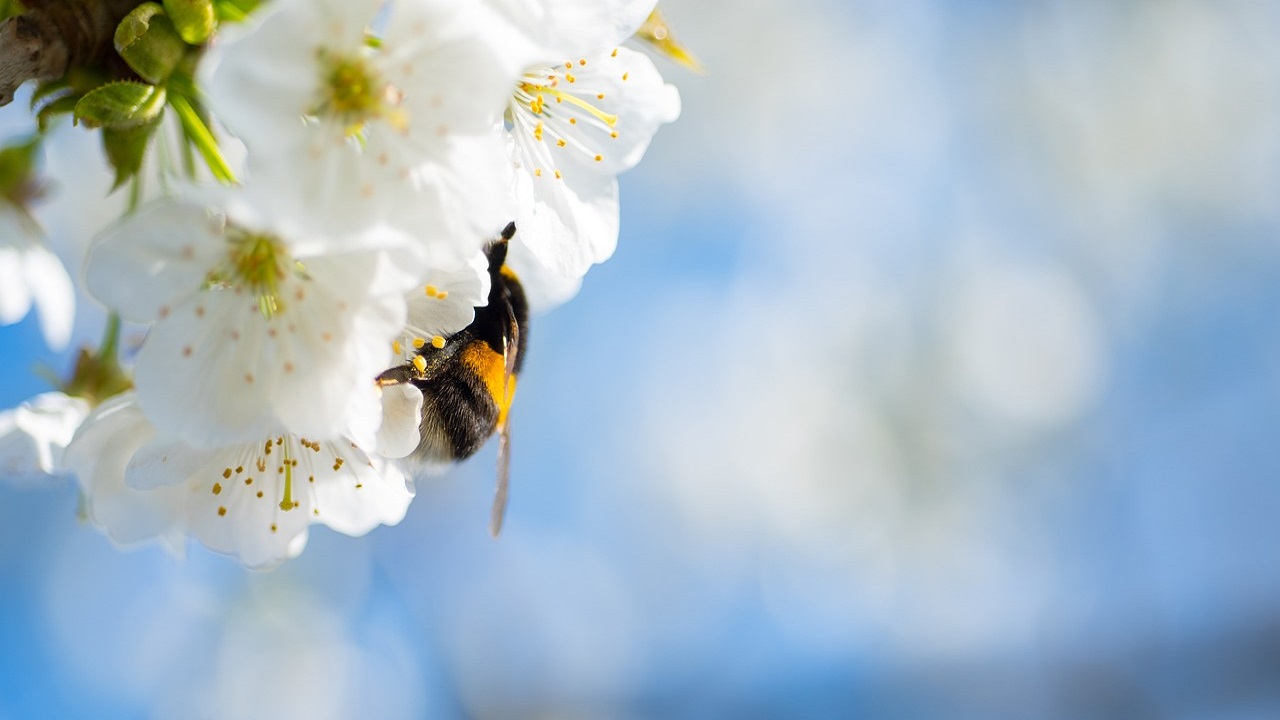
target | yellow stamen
x=560, y=95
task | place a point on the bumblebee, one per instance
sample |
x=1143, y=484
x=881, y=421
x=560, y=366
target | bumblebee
x=468, y=383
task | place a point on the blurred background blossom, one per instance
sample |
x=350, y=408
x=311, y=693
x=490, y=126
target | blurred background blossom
x=935, y=376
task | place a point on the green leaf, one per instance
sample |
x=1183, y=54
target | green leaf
x=47, y=88
x=120, y=105
x=62, y=106
x=192, y=18
x=148, y=41
x=126, y=148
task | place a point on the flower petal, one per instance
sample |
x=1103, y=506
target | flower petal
x=99, y=454
x=54, y=294
x=401, y=416
x=155, y=257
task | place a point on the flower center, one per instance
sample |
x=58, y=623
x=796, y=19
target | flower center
x=542, y=83
x=353, y=93
x=259, y=263
x=543, y=107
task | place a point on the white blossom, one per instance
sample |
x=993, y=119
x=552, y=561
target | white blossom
x=254, y=329
x=573, y=125
x=348, y=131
x=254, y=501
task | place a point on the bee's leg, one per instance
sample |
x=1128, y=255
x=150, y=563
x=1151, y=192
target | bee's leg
x=397, y=375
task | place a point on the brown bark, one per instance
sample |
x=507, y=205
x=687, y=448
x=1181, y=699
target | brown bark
x=54, y=35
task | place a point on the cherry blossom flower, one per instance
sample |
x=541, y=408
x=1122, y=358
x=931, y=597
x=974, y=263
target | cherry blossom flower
x=348, y=131
x=255, y=329
x=254, y=501
x=573, y=125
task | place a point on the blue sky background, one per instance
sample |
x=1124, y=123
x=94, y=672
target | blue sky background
x=935, y=376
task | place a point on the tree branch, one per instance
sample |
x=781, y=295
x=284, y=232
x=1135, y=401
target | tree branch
x=54, y=35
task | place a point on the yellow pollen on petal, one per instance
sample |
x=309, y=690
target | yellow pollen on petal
x=226, y=473
x=561, y=142
x=537, y=131
x=614, y=53
x=573, y=121
x=558, y=175
x=217, y=488
x=624, y=76
x=537, y=172
x=222, y=510
x=420, y=363
x=418, y=343
x=432, y=291
x=396, y=347
x=437, y=342
x=570, y=78
x=583, y=61
x=599, y=158
x=614, y=134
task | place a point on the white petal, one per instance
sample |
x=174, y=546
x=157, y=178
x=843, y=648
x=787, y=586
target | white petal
x=98, y=455
x=573, y=27
x=455, y=76
x=194, y=375
x=15, y=297
x=446, y=302
x=372, y=493
x=544, y=288
x=570, y=227
x=401, y=415
x=152, y=259
x=240, y=513
x=642, y=101
x=34, y=435
x=54, y=294
x=457, y=201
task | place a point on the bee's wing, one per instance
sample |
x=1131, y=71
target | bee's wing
x=510, y=347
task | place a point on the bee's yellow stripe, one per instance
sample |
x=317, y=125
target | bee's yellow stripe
x=491, y=368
